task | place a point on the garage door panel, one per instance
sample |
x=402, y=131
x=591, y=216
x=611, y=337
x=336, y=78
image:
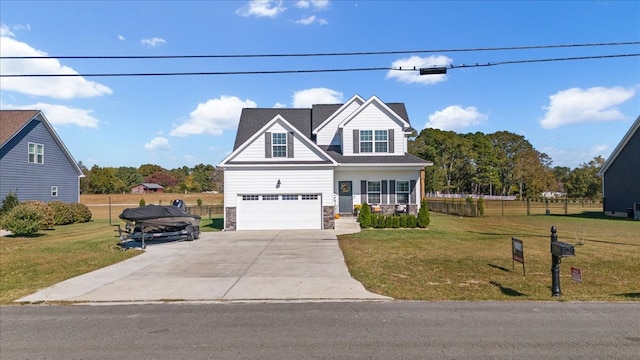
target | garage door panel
x=274, y=212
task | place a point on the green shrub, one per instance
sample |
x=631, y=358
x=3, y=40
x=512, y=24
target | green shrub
x=423, y=215
x=142, y=202
x=48, y=215
x=412, y=221
x=403, y=221
x=375, y=221
x=199, y=202
x=22, y=220
x=61, y=213
x=81, y=213
x=364, y=217
x=481, y=206
x=10, y=201
x=469, y=200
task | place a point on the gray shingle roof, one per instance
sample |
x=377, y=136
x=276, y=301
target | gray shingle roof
x=253, y=119
x=378, y=159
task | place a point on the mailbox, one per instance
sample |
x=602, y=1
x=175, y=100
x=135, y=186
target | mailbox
x=559, y=248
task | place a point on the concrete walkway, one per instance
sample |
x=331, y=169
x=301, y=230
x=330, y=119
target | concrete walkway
x=293, y=265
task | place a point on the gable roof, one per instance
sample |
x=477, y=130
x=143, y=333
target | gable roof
x=254, y=119
x=620, y=146
x=304, y=138
x=324, y=114
x=374, y=100
x=12, y=122
x=152, y=186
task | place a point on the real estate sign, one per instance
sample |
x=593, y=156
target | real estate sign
x=517, y=253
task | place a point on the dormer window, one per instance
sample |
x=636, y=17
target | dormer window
x=374, y=141
x=279, y=141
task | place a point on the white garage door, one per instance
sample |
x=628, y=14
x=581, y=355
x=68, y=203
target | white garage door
x=275, y=212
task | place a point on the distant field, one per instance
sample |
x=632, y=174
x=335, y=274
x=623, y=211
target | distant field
x=100, y=209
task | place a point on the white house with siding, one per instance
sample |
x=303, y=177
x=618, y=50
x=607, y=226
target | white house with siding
x=298, y=168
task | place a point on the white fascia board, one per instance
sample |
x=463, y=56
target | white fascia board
x=286, y=124
x=372, y=99
x=356, y=98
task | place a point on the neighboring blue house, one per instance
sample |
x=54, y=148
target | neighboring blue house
x=34, y=163
x=621, y=176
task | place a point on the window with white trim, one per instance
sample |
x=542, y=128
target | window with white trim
x=373, y=192
x=289, y=197
x=374, y=141
x=54, y=191
x=36, y=153
x=309, y=197
x=381, y=145
x=402, y=192
x=279, y=144
x=250, y=197
x=269, y=197
x=366, y=141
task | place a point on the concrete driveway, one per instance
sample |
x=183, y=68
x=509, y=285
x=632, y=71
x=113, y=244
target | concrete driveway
x=302, y=265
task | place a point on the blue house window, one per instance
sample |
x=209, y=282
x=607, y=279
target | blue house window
x=36, y=153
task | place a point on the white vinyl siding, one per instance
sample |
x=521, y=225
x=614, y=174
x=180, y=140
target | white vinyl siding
x=328, y=135
x=292, y=181
x=255, y=151
x=374, y=119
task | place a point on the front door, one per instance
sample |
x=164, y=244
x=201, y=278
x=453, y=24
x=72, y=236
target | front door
x=345, y=197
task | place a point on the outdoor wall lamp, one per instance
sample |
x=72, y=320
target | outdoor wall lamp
x=278, y=184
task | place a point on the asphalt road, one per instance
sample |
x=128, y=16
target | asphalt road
x=351, y=330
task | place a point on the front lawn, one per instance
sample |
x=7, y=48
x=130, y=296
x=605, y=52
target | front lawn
x=28, y=264
x=470, y=259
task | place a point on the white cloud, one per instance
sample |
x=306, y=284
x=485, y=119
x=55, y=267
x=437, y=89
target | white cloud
x=153, y=42
x=262, y=8
x=121, y=38
x=158, y=144
x=577, y=106
x=5, y=31
x=455, y=118
x=278, y=105
x=55, y=87
x=62, y=115
x=417, y=62
x=316, y=4
x=213, y=117
x=308, y=97
x=310, y=20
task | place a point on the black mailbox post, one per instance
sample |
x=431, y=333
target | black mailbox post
x=559, y=249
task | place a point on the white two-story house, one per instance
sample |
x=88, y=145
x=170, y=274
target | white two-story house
x=298, y=168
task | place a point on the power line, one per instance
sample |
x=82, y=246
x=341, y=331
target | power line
x=363, y=53
x=267, y=72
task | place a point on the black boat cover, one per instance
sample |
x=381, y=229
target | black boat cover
x=153, y=212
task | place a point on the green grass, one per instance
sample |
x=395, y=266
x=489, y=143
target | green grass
x=28, y=264
x=470, y=259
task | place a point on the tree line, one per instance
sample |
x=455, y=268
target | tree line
x=114, y=180
x=501, y=163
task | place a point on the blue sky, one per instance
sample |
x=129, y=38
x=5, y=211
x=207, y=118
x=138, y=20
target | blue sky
x=571, y=110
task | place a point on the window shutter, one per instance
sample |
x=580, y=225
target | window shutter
x=363, y=191
x=356, y=141
x=290, y=145
x=412, y=188
x=384, y=192
x=267, y=145
x=391, y=141
x=392, y=191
